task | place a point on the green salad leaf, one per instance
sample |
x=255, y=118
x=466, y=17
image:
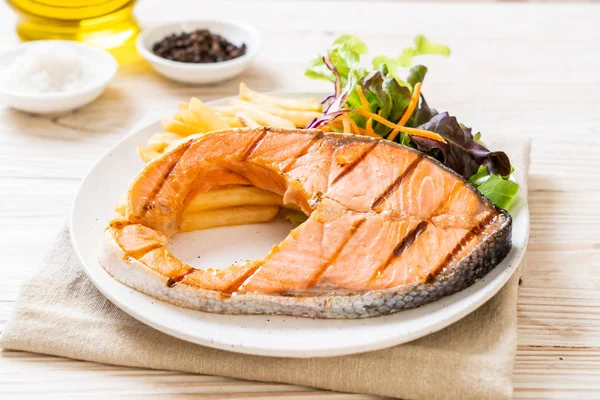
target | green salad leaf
x=421, y=46
x=416, y=74
x=501, y=192
x=344, y=54
x=422, y=114
x=295, y=217
x=390, y=98
x=498, y=189
x=317, y=69
x=479, y=177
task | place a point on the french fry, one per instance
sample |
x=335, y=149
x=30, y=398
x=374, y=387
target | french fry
x=158, y=144
x=160, y=141
x=232, y=196
x=289, y=104
x=177, y=142
x=147, y=154
x=226, y=111
x=299, y=118
x=208, y=117
x=172, y=125
x=262, y=117
x=232, y=121
x=177, y=116
x=240, y=215
x=121, y=206
x=190, y=118
x=247, y=121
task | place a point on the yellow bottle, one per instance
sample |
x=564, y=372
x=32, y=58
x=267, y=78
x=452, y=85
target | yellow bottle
x=108, y=24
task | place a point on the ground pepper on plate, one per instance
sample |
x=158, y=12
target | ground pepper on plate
x=199, y=46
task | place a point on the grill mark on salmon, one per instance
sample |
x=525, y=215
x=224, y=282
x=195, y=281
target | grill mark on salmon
x=349, y=167
x=409, y=239
x=463, y=242
x=400, y=248
x=302, y=153
x=150, y=203
x=396, y=183
x=171, y=282
x=142, y=252
x=430, y=230
x=254, y=145
x=317, y=276
x=239, y=283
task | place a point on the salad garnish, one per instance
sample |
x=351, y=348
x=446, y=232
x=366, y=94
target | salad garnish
x=387, y=101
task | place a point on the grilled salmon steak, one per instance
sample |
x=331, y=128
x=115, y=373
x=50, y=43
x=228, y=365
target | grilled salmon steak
x=389, y=228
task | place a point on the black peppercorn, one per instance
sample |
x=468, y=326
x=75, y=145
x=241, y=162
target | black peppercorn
x=199, y=46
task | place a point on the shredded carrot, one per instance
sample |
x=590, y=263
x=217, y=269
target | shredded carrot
x=336, y=125
x=410, y=131
x=422, y=133
x=326, y=128
x=370, y=130
x=356, y=129
x=346, y=123
x=363, y=99
x=414, y=100
x=335, y=122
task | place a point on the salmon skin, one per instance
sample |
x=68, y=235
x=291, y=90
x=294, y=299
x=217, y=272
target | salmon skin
x=389, y=228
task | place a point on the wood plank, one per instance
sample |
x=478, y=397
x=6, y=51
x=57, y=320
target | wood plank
x=557, y=373
x=57, y=376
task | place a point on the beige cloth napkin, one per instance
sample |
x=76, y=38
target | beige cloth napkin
x=60, y=312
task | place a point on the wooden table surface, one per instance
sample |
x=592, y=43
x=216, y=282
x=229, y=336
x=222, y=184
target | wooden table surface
x=532, y=70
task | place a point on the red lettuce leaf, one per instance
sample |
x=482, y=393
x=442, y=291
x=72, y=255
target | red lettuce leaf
x=460, y=152
x=421, y=114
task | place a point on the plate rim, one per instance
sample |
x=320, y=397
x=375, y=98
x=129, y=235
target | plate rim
x=480, y=296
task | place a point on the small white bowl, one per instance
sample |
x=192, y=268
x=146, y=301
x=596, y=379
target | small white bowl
x=103, y=69
x=236, y=32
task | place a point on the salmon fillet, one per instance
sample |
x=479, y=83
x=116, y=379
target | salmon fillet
x=389, y=228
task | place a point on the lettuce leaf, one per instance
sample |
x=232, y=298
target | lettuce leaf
x=422, y=113
x=421, y=46
x=416, y=74
x=391, y=98
x=479, y=177
x=317, y=69
x=351, y=43
x=344, y=54
x=460, y=152
x=295, y=217
x=499, y=190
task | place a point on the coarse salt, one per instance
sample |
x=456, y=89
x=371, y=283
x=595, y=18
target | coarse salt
x=46, y=69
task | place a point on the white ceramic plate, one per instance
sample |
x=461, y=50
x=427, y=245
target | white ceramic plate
x=256, y=334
